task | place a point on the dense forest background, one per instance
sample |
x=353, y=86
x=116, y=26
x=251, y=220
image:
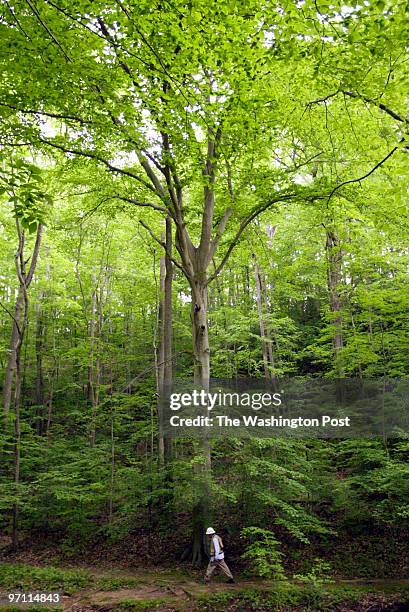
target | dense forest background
x=195, y=190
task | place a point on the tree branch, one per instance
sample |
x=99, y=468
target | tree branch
x=208, y=207
x=162, y=244
x=161, y=209
x=34, y=258
x=101, y=160
x=246, y=222
x=46, y=28
x=16, y=20
x=358, y=96
x=361, y=178
x=157, y=185
x=46, y=114
x=379, y=105
x=12, y=316
x=219, y=232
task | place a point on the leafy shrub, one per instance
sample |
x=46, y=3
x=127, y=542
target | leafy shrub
x=317, y=575
x=262, y=554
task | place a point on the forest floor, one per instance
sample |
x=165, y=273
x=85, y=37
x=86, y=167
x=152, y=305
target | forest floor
x=172, y=593
x=93, y=588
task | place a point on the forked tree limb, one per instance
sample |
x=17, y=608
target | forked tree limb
x=102, y=160
x=162, y=244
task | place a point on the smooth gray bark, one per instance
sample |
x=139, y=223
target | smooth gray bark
x=19, y=325
x=334, y=278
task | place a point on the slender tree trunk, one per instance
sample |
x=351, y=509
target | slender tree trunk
x=167, y=330
x=92, y=324
x=266, y=346
x=93, y=365
x=20, y=324
x=334, y=277
x=164, y=353
x=39, y=349
x=11, y=361
x=269, y=335
x=112, y=478
x=160, y=356
x=53, y=381
x=17, y=425
x=98, y=365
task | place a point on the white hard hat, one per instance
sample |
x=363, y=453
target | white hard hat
x=210, y=531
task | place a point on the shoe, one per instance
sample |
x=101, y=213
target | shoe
x=231, y=581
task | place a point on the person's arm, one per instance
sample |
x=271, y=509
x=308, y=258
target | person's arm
x=216, y=546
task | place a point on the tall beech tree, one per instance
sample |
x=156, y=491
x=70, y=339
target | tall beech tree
x=199, y=112
x=116, y=486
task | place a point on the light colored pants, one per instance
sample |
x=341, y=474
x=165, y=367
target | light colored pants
x=220, y=564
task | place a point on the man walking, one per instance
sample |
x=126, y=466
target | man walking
x=216, y=556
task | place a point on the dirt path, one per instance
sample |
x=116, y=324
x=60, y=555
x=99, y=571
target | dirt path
x=169, y=592
x=180, y=592
x=106, y=588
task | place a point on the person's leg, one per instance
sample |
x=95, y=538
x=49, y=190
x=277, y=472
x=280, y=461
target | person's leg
x=209, y=571
x=225, y=569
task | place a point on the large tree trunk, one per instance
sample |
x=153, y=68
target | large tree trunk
x=194, y=262
x=201, y=355
x=200, y=334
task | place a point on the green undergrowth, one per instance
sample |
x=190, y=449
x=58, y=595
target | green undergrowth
x=26, y=577
x=160, y=603
x=288, y=595
x=29, y=577
x=114, y=583
x=282, y=597
x=292, y=597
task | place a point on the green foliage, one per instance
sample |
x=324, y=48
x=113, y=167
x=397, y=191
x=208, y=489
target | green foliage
x=114, y=583
x=318, y=574
x=264, y=558
x=23, y=183
x=376, y=482
x=112, y=109
x=159, y=603
x=285, y=596
x=28, y=577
